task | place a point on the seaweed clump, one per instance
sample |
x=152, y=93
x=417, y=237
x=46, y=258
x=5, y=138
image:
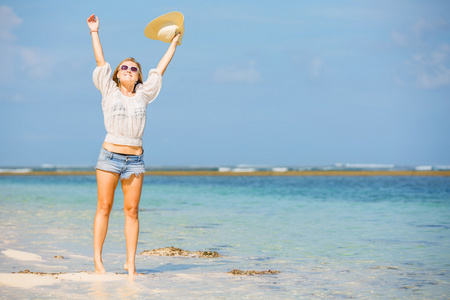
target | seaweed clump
x=172, y=251
x=252, y=272
x=38, y=273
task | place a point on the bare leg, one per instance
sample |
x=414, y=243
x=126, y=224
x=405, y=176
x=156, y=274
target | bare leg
x=132, y=188
x=106, y=185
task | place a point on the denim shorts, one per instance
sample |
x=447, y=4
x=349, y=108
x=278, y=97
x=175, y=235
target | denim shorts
x=123, y=164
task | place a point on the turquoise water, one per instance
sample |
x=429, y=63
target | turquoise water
x=331, y=237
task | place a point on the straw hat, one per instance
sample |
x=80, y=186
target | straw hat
x=165, y=27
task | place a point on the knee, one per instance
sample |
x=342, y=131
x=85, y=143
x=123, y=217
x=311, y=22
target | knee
x=104, y=209
x=131, y=212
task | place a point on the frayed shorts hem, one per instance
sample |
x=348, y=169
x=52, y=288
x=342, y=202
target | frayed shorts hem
x=122, y=175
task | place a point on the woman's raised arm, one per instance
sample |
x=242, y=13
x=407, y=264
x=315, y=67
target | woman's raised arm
x=94, y=24
x=165, y=60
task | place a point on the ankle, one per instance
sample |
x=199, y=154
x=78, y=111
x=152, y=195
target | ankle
x=98, y=259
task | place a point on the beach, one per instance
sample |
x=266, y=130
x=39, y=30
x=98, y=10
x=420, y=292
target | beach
x=277, y=237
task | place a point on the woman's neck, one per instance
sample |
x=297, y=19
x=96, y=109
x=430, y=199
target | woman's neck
x=127, y=90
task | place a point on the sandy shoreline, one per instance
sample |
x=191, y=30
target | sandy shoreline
x=256, y=173
x=27, y=279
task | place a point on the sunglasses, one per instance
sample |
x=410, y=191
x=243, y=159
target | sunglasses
x=132, y=69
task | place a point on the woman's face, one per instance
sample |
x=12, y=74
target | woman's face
x=128, y=71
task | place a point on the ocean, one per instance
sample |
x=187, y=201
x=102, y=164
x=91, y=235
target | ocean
x=384, y=237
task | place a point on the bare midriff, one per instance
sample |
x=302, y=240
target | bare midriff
x=123, y=149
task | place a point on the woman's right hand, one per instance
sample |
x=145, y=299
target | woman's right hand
x=93, y=22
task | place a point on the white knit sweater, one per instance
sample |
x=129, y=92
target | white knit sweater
x=124, y=116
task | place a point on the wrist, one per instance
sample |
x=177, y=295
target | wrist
x=93, y=31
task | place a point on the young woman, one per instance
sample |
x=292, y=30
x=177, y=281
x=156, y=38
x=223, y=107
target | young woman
x=125, y=97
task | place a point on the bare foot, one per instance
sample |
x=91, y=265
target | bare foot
x=131, y=273
x=99, y=269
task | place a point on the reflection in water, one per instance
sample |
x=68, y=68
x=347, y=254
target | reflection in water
x=124, y=288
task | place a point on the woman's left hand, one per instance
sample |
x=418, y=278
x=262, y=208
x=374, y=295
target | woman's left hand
x=176, y=38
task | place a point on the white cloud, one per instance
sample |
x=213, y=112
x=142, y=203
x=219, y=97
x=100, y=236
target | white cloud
x=316, y=67
x=17, y=97
x=36, y=64
x=241, y=74
x=424, y=26
x=20, y=61
x=432, y=70
x=8, y=20
x=420, y=26
x=430, y=66
x=399, y=38
x=28, y=55
x=418, y=32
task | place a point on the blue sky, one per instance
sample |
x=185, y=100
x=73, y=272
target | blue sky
x=276, y=83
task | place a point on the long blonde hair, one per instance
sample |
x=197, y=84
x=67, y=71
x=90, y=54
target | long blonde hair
x=116, y=80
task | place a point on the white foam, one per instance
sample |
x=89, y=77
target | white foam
x=369, y=166
x=424, y=168
x=280, y=169
x=243, y=170
x=442, y=167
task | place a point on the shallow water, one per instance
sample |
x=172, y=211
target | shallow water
x=331, y=237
